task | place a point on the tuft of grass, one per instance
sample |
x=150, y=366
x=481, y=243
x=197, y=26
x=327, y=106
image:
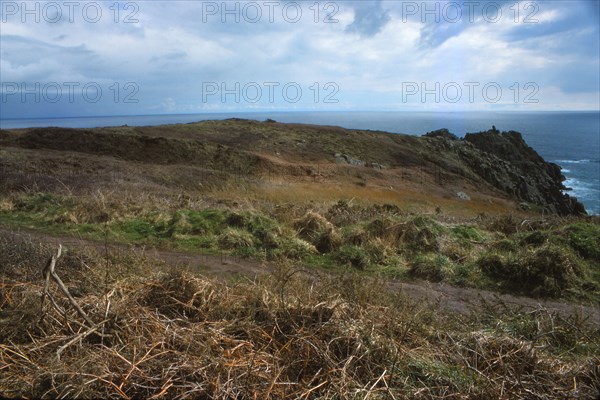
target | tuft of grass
x=467, y=233
x=422, y=233
x=47, y=203
x=585, y=239
x=292, y=248
x=547, y=271
x=353, y=256
x=431, y=267
x=355, y=235
x=317, y=230
x=234, y=238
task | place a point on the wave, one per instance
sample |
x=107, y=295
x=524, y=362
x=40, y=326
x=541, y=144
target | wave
x=586, y=192
x=584, y=161
x=576, y=184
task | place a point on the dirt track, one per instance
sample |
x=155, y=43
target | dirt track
x=451, y=298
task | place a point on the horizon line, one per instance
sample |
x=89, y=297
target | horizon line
x=298, y=111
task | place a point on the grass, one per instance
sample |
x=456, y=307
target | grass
x=327, y=321
x=169, y=333
x=584, y=238
x=557, y=258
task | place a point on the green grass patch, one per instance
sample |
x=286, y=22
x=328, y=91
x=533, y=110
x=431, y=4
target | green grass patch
x=431, y=267
x=585, y=239
x=467, y=233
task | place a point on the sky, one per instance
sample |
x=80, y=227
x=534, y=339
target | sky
x=95, y=58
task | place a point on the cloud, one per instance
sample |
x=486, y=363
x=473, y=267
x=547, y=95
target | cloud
x=369, y=18
x=372, y=50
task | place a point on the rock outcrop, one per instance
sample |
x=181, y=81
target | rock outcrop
x=443, y=133
x=512, y=166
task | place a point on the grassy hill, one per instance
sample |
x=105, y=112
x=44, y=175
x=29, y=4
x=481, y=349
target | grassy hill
x=338, y=219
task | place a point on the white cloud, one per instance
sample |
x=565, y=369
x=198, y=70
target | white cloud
x=369, y=53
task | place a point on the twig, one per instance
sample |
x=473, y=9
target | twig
x=313, y=389
x=79, y=337
x=46, y=274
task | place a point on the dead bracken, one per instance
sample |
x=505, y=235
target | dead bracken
x=132, y=329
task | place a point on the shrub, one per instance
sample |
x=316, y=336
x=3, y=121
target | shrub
x=431, y=267
x=387, y=229
x=378, y=252
x=421, y=233
x=546, y=271
x=205, y=221
x=352, y=255
x=585, y=239
x=356, y=235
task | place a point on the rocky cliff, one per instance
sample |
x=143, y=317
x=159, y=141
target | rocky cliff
x=504, y=160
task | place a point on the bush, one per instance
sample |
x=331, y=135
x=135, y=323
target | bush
x=421, y=233
x=585, y=239
x=188, y=336
x=352, y=255
x=205, y=221
x=431, y=267
x=355, y=235
x=546, y=271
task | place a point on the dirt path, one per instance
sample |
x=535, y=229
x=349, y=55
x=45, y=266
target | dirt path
x=451, y=298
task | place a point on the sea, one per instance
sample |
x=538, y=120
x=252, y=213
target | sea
x=570, y=139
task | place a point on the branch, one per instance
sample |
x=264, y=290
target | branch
x=49, y=272
x=48, y=269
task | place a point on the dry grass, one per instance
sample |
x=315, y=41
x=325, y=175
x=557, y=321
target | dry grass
x=292, y=334
x=317, y=230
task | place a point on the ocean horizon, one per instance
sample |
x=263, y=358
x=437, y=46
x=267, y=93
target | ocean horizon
x=570, y=139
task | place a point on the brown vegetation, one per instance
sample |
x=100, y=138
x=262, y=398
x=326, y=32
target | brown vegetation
x=167, y=333
x=333, y=231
